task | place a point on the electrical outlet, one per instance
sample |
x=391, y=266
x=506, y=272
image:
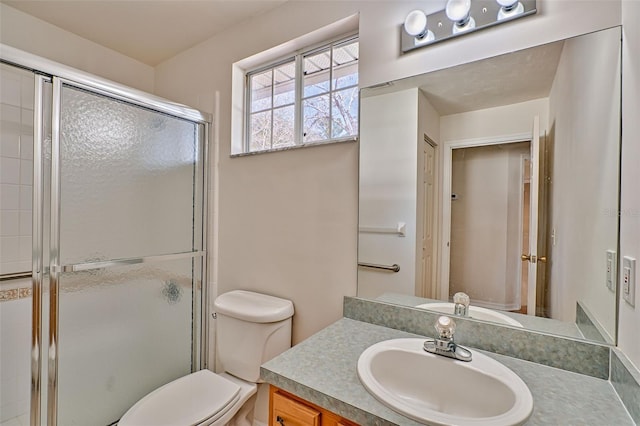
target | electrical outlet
x=629, y=280
x=611, y=270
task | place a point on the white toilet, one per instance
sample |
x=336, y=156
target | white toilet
x=251, y=329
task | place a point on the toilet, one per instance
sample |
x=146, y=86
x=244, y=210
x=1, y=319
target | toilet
x=251, y=329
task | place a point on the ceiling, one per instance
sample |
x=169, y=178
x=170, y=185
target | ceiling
x=150, y=31
x=502, y=80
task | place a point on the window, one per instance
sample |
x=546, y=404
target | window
x=308, y=98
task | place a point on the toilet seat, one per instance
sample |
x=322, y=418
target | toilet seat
x=199, y=398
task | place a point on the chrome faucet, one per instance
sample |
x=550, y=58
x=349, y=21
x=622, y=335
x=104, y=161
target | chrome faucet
x=444, y=344
x=461, y=304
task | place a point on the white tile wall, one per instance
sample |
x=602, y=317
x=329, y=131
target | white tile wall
x=16, y=168
x=15, y=369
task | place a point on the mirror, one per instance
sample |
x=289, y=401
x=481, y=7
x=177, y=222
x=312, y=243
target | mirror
x=498, y=179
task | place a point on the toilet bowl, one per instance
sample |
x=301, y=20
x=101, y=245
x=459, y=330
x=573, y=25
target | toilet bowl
x=252, y=328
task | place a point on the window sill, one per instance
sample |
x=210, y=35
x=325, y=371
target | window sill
x=288, y=148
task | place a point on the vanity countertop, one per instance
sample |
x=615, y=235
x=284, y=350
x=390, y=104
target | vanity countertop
x=322, y=370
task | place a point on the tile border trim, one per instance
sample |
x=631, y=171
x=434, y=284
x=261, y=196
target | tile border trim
x=15, y=294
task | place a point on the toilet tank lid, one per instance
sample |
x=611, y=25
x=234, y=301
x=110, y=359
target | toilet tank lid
x=253, y=307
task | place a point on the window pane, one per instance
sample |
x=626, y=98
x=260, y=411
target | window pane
x=344, y=104
x=261, y=91
x=316, y=118
x=283, y=127
x=345, y=65
x=260, y=131
x=285, y=81
x=316, y=73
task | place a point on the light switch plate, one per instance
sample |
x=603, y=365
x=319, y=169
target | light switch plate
x=629, y=280
x=611, y=270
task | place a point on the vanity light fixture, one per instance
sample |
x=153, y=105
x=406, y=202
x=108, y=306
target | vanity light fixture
x=458, y=18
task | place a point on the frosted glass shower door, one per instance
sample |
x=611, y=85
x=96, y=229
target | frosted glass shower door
x=127, y=247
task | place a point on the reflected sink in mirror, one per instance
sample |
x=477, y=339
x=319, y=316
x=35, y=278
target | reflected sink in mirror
x=436, y=390
x=475, y=312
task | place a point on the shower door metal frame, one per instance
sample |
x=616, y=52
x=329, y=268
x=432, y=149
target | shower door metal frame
x=49, y=71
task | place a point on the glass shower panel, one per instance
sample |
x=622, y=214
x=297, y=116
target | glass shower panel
x=131, y=188
x=127, y=179
x=123, y=332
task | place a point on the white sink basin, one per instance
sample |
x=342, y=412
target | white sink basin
x=475, y=312
x=436, y=390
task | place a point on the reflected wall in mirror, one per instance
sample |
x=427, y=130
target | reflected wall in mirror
x=505, y=175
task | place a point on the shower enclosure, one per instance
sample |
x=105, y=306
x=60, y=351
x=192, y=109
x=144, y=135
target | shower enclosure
x=118, y=248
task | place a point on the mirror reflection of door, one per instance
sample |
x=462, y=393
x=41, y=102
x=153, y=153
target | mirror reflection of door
x=428, y=256
x=493, y=253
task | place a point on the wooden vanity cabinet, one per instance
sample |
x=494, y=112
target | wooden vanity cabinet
x=286, y=409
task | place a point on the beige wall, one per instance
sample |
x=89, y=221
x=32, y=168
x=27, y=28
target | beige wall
x=287, y=221
x=263, y=198
x=629, y=317
x=585, y=130
x=388, y=187
x=33, y=35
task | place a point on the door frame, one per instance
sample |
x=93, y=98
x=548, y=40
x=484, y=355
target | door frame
x=449, y=146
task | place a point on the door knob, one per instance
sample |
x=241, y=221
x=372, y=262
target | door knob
x=533, y=258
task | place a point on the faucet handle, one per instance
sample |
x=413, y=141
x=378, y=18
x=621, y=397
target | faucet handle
x=461, y=304
x=461, y=298
x=445, y=327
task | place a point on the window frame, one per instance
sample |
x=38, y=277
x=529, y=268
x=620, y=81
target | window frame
x=298, y=58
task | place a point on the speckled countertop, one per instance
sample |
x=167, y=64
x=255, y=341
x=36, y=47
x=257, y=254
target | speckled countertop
x=322, y=370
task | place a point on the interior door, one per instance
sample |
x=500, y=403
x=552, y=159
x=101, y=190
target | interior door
x=532, y=256
x=428, y=289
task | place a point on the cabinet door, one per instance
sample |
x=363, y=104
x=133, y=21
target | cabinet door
x=287, y=412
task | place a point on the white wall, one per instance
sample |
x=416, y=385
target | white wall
x=629, y=317
x=388, y=187
x=24, y=32
x=585, y=130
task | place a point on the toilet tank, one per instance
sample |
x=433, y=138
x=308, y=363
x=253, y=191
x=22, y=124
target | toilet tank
x=251, y=329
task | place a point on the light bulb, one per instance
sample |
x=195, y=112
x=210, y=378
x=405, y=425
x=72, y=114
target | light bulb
x=507, y=4
x=458, y=10
x=415, y=24
x=509, y=9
